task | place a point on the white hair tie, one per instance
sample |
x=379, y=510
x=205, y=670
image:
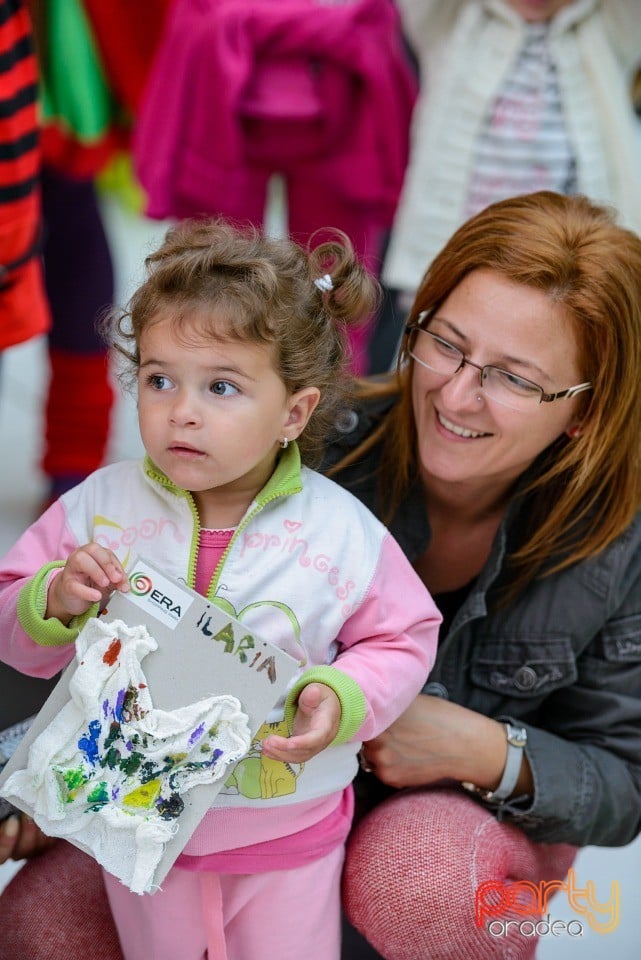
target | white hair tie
x=324, y=283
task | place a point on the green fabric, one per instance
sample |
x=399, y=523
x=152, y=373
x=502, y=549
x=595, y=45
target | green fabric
x=32, y=606
x=74, y=90
x=119, y=180
x=353, y=704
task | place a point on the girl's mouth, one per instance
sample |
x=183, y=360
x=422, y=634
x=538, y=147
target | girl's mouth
x=184, y=450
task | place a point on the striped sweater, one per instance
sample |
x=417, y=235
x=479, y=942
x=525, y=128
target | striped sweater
x=23, y=311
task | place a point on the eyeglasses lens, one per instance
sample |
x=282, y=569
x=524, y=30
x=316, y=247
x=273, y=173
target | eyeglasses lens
x=445, y=359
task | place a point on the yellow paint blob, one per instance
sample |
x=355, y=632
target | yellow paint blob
x=144, y=796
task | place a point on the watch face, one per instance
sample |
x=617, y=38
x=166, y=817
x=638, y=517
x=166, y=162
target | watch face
x=517, y=736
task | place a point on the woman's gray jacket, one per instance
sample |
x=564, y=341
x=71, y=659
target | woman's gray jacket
x=563, y=659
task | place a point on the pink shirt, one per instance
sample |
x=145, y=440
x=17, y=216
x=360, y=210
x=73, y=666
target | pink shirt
x=331, y=816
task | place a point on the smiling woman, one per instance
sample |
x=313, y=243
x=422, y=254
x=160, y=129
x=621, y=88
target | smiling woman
x=504, y=455
x=519, y=335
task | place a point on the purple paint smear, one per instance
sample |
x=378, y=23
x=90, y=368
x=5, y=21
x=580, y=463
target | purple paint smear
x=196, y=735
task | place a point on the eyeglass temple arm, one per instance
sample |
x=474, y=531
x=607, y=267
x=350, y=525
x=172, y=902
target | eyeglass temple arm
x=569, y=393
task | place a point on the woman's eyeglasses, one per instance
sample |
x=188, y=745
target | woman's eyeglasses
x=508, y=389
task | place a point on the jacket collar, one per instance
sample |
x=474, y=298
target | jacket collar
x=566, y=18
x=284, y=481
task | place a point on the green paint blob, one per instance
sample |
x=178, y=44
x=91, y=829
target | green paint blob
x=99, y=794
x=130, y=764
x=74, y=779
x=111, y=758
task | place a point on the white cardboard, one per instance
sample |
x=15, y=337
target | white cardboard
x=202, y=651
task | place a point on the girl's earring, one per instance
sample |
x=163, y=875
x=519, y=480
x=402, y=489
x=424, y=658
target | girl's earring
x=284, y=443
x=574, y=432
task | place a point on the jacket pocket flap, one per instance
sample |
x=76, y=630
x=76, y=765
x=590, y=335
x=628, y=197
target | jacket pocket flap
x=622, y=639
x=527, y=668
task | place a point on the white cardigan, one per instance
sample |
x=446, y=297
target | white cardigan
x=465, y=49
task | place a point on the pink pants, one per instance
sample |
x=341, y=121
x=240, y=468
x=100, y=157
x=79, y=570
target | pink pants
x=286, y=914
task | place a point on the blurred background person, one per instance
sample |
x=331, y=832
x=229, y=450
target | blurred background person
x=515, y=96
x=314, y=97
x=24, y=312
x=90, y=87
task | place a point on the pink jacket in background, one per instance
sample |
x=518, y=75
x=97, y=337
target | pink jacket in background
x=334, y=78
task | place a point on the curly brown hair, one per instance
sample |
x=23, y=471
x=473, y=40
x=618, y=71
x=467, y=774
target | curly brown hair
x=234, y=281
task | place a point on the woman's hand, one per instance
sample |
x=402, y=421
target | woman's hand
x=90, y=574
x=436, y=740
x=20, y=838
x=318, y=717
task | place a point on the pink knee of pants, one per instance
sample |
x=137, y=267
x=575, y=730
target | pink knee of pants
x=413, y=867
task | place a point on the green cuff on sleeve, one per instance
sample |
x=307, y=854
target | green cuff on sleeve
x=32, y=606
x=353, y=703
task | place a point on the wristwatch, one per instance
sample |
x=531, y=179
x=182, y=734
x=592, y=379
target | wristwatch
x=516, y=741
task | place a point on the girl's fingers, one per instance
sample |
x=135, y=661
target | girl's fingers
x=98, y=565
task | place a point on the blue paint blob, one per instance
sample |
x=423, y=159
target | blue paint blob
x=89, y=744
x=120, y=700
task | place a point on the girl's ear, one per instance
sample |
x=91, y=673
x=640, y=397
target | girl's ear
x=301, y=406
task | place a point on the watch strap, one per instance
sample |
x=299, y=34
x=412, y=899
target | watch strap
x=516, y=741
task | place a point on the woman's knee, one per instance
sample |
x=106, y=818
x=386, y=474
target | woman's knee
x=56, y=907
x=413, y=869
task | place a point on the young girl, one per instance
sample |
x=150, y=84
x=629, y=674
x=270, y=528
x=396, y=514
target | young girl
x=236, y=343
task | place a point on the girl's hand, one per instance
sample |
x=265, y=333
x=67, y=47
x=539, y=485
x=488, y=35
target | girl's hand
x=436, y=740
x=89, y=576
x=318, y=716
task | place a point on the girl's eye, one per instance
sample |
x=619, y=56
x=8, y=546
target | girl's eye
x=158, y=382
x=223, y=388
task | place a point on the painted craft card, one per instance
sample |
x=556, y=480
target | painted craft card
x=162, y=699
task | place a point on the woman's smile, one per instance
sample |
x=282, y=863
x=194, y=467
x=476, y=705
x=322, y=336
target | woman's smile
x=459, y=431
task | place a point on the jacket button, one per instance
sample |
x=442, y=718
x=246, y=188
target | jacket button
x=346, y=421
x=436, y=689
x=525, y=678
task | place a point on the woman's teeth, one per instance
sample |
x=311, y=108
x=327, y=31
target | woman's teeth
x=459, y=431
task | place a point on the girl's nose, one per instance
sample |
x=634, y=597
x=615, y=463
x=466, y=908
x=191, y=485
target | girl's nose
x=184, y=411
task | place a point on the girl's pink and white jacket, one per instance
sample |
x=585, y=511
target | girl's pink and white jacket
x=309, y=568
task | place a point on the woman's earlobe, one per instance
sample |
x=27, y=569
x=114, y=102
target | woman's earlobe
x=574, y=431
